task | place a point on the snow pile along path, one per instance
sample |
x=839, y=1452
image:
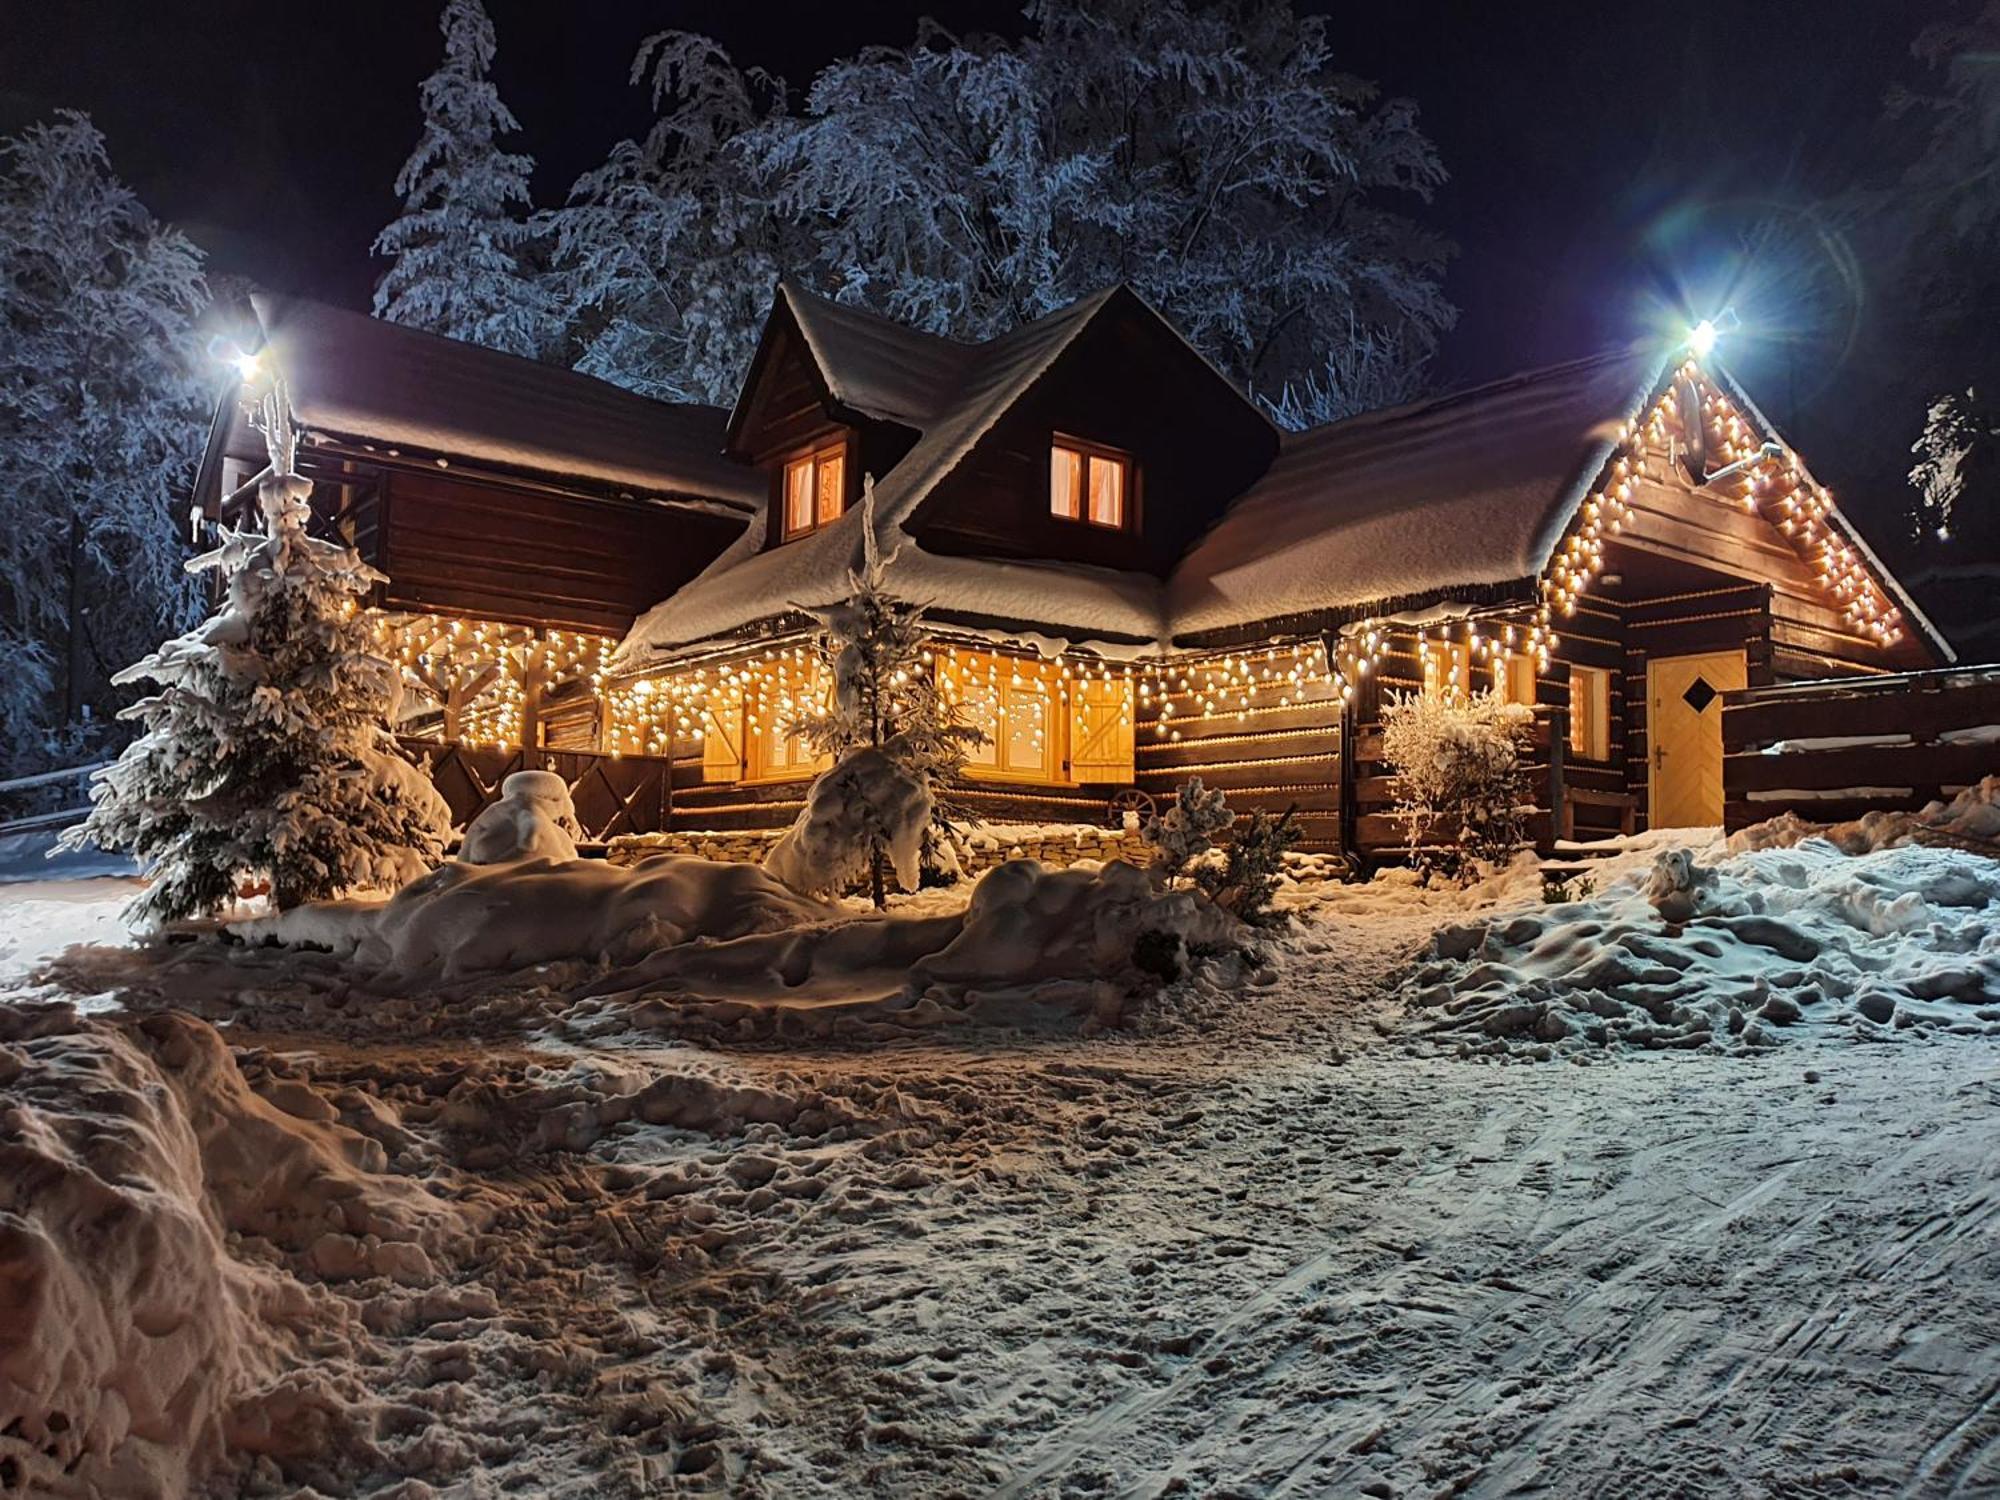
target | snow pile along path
x=1033, y=943
x=138, y=1344
x=464, y=918
x=1727, y=956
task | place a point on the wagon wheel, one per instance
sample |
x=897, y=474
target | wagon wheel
x=1131, y=800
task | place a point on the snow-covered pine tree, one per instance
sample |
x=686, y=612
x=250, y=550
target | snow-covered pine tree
x=465, y=261
x=265, y=751
x=664, y=257
x=896, y=741
x=101, y=418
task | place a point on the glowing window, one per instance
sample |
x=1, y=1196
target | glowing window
x=1016, y=704
x=1447, y=668
x=815, y=490
x=1088, y=484
x=1514, y=676
x=1590, y=713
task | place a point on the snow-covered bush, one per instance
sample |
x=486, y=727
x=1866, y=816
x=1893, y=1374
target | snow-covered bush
x=1460, y=794
x=867, y=807
x=534, y=819
x=896, y=741
x=265, y=752
x=1184, y=832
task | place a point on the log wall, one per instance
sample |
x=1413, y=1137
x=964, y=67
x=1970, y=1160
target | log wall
x=1268, y=754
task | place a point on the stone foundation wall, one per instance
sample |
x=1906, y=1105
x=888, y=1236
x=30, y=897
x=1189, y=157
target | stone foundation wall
x=992, y=844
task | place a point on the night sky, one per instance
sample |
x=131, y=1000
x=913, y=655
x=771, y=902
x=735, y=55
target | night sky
x=1604, y=159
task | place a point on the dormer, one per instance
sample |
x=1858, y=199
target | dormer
x=834, y=393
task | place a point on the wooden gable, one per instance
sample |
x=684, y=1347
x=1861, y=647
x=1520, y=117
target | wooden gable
x=1702, y=499
x=1129, y=383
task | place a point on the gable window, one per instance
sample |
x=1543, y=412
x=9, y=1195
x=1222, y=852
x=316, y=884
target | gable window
x=815, y=489
x=1089, y=483
x=1590, y=713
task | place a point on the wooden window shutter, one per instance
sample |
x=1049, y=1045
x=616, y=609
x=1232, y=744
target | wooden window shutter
x=722, y=741
x=1100, y=730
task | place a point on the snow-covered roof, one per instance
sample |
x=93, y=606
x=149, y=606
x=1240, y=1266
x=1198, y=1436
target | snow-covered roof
x=360, y=378
x=747, y=584
x=1472, y=489
x=876, y=366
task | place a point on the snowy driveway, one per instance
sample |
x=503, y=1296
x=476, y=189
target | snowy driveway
x=1262, y=1251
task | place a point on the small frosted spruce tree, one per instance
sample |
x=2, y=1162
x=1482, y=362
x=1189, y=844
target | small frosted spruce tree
x=1184, y=832
x=895, y=740
x=265, y=752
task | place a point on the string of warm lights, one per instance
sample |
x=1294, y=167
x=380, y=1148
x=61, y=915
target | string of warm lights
x=1767, y=481
x=475, y=673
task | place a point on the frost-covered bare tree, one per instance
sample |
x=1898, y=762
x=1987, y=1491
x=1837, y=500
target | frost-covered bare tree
x=102, y=414
x=463, y=247
x=1210, y=155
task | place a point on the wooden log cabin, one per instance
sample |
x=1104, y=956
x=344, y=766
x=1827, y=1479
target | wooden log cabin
x=1131, y=575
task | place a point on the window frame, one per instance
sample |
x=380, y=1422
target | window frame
x=1590, y=737
x=1094, y=452
x=1054, y=770
x=814, y=455
x=1445, y=668
x=1504, y=664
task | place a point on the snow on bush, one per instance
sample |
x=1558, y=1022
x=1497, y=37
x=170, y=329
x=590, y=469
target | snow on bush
x=895, y=739
x=465, y=919
x=865, y=805
x=266, y=751
x=1459, y=794
x=1727, y=956
x=136, y=1349
x=534, y=819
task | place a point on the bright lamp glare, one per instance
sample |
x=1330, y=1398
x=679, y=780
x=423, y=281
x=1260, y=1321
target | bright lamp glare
x=1701, y=338
x=248, y=366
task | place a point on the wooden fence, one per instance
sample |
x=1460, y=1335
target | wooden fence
x=613, y=794
x=1833, y=750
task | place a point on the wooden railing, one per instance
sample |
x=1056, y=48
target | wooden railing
x=1833, y=750
x=613, y=794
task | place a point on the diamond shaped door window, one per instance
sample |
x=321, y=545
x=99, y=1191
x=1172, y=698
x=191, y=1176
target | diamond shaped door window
x=1700, y=693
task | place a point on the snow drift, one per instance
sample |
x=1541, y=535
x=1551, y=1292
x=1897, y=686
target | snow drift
x=136, y=1349
x=1729, y=955
x=1973, y=816
x=464, y=918
x=1032, y=943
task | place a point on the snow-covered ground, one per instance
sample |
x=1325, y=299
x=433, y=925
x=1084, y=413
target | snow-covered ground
x=513, y=1237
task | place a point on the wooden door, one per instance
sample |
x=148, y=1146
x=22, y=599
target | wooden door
x=1684, y=730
